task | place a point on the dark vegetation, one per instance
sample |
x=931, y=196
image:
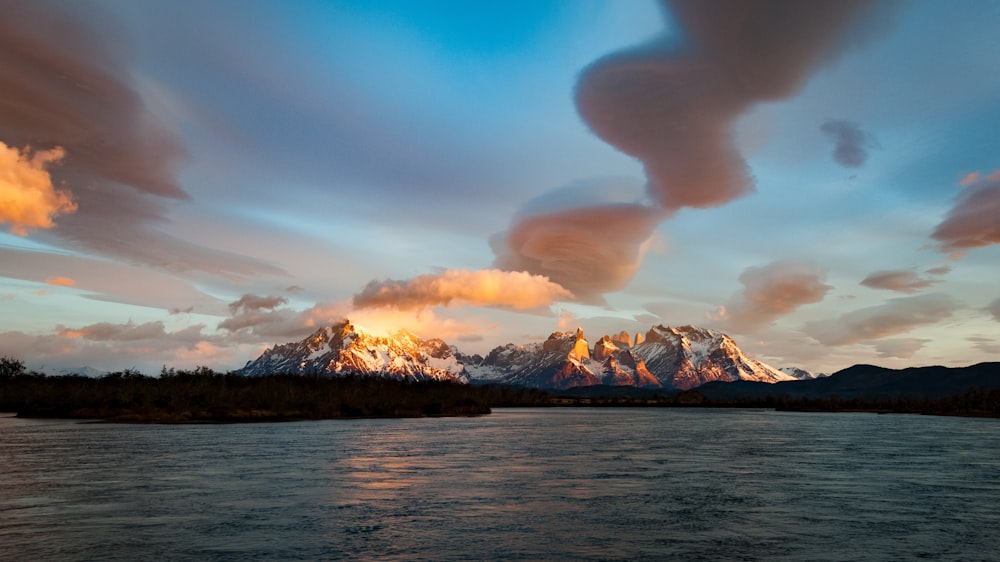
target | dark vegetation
x=203, y=395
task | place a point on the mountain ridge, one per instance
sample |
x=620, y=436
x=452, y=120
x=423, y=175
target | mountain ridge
x=672, y=358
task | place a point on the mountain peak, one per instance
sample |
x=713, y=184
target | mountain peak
x=344, y=349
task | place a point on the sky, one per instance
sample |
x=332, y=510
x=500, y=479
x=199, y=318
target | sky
x=188, y=183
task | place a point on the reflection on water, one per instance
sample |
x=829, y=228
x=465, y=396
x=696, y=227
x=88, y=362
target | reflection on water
x=521, y=484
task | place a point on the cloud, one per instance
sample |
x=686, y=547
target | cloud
x=900, y=280
x=974, y=220
x=117, y=346
x=60, y=282
x=107, y=331
x=68, y=82
x=903, y=347
x=672, y=103
x=250, y=302
x=994, y=309
x=771, y=292
x=984, y=344
x=851, y=143
x=487, y=287
x=895, y=316
x=27, y=196
x=941, y=270
x=589, y=250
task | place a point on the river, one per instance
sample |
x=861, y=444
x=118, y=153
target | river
x=520, y=484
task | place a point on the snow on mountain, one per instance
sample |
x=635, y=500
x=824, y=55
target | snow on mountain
x=801, y=374
x=679, y=358
x=343, y=349
x=687, y=357
x=673, y=358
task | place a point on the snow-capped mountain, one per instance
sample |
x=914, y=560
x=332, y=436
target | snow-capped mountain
x=673, y=358
x=680, y=358
x=687, y=357
x=563, y=361
x=801, y=374
x=343, y=349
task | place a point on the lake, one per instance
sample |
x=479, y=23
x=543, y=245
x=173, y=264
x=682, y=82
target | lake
x=520, y=484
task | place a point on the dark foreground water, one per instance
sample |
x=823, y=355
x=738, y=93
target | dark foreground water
x=521, y=484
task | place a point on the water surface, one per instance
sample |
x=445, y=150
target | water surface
x=521, y=484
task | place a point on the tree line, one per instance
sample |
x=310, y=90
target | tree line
x=206, y=395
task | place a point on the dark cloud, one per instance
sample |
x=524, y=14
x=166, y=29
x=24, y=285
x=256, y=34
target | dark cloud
x=900, y=280
x=974, y=220
x=671, y=103
x=771, y=292
x=851, y=143
x=903, y=347
x=895, y=316
x=250, y=302
x=66, y=80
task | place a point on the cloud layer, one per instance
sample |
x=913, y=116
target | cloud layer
x=67, y=80
x=488, y=287
x=899, y=280
x=896, y=316
x=773, y=291
x=27, y=196
x=974, y=220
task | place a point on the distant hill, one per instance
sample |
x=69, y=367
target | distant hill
x=869, y=382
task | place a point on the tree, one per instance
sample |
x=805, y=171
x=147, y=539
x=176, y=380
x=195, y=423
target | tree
x=10, y=367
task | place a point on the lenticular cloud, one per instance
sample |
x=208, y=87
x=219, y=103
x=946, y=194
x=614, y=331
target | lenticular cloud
x=672, y=103
x=486, y=287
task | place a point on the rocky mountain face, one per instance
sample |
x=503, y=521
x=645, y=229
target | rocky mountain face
x=343, y=349
x=664, y=357
x=564, y=360
x=674, y=358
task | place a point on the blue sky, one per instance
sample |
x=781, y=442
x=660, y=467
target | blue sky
x=188, y=183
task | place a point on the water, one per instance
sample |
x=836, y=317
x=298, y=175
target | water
x=521, y=484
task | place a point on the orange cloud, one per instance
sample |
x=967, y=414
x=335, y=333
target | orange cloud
x=486, y=287
x=61, y=281
x=27, y=197
x=771, y=292
x=974, y=220
x=969, y=179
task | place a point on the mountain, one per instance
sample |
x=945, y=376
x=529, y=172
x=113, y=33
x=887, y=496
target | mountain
x=673, y=358
x=801, y=374
x=686, y=357
x=563, y=361
x=80, y=371
x=344, y=349
x=869, y=382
